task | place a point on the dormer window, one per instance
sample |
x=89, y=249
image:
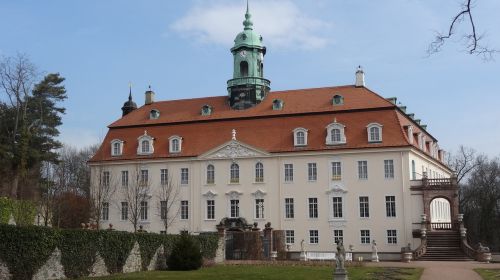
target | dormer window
x=338, y=100
x=300, y=137
x=145, y=146
x=335, y=134
x=277, y=104
x=374, y=132
x=175, y=144
x=410, y=134
x=206, y=110
x=116, y=147
x=154, y=114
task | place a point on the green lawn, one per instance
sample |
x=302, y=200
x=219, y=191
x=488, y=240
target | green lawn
x=488, y=274
x=248, y=272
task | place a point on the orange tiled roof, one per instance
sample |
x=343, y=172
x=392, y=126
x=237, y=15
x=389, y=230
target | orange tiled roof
x=261, y=127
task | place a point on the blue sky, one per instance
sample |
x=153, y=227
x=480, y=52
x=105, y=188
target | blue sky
x=181, y=48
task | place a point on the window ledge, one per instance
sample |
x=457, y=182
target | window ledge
x=335, y=143
x=258, y=183
x=233, y=184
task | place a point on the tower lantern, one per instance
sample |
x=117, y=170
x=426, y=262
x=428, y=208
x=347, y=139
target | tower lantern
x=248, y=87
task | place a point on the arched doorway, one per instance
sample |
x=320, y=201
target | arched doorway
x=440, y=211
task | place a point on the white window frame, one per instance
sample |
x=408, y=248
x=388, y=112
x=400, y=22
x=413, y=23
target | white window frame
x=259, y=172
x=210, y=209
x=120, y=147
x=259, y=209
x=388, y=168
x=410, y=134
x=210, y=196
x=288, y=172
x=144, y=177
x=124, y=211
x=315, y=236
x=172, y=148
x=289, y=236
x=163, y=209
x=296, y=137
x=236, y=208
x=124, y=178
x=341, y=128
x=337, y=191
x=143, y=213
x=313, y=212
x=186, y=181
x=289, y=208
x=210, y=174
x=338, y=234
x=380, y=132
x=163, y=176
x=234, y=195
x=105, y=211
x=106, y=178
x=364, y=207
x=362, y=169
x=387, y=205
x=389, y=239
x=337, y=213
x=184, y=210
x=312, y=171
x=150, y=140
x=361, y=236
x=336, y=177
x=234, y=173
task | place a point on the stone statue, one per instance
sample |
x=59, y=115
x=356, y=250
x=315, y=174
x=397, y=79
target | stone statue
x=302, y=245
x=374, y=252
x=482, y=249
x=340, y=260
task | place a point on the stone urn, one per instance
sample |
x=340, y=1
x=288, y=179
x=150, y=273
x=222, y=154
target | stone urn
x=274, y=255
x=484, y=257
x=407, y=257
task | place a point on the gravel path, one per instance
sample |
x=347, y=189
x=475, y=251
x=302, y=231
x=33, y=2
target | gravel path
x=443, y=270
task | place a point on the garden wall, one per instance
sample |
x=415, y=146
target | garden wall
x=44, y=253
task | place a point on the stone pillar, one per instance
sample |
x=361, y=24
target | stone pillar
x=268, y=234
x=423, y=227
x=220, y=254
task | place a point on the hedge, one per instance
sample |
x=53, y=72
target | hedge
x=5, y=210
x=23, y=211
x=26, y=249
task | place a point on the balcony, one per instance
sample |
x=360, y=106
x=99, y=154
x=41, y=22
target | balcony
x=249, y=81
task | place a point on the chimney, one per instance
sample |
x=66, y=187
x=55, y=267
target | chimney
x=150, y=96
x=360, y=77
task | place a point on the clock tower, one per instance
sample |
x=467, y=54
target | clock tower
x=248, y=87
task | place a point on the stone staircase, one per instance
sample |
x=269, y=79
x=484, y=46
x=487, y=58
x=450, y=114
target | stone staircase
x=443, y=245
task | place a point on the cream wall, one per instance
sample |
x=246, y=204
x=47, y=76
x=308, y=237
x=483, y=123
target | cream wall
x=275, y=189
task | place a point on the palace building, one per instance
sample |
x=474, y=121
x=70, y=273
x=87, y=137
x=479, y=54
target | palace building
x=322, y=164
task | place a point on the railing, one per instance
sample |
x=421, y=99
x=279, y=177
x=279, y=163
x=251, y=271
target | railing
x=320, y=256
x=420, y=250
x=467, y=249
x=249, y=81
x=439, y=182
x=442, y=226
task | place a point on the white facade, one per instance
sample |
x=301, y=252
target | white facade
x=369, y=198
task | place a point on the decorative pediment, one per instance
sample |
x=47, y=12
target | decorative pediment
x=234, y=194
x=259, y=193
x=233, y=149
x=337, y=223
x=336, y=189
x=210, y=194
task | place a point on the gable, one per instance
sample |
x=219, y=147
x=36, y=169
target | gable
x=232, y=150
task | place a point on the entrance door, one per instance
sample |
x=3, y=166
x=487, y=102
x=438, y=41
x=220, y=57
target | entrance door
x=440, y=214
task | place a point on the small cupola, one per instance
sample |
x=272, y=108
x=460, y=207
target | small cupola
x=150, y=96
x=360, y=77
x=129, y=105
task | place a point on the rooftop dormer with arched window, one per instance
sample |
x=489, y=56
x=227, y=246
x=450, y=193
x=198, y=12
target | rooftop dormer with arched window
x=300, y=137
x=175, y=144
x=374, y=131
x=335, y=134
x=145, y=144
x=116, y=147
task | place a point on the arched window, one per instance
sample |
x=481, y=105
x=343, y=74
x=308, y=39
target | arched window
x=338, y=100
x=210, y=174
x=262, y=69
x=145, y=146
x=335, y=133
x=374, y=132
x=116, y=147
x=259, y=172
x=244, y=68
x=175, y=144
x=154, y=114
x=235, y=173
x=300, y=136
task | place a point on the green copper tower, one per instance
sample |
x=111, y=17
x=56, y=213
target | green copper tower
x=248, y=87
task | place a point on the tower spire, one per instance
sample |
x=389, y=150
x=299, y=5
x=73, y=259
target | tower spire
x=129, y=91
x=248, y=22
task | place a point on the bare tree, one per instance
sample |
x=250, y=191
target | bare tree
x=168, y=201
x=471, y=39
x=49, y=192
x=137, y=194
x=103, y=187
x=463, y=162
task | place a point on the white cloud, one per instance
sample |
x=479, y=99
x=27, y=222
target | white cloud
x=280, y=22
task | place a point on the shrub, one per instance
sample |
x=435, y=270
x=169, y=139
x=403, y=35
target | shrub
x=24, y=212
x=115, y=246
x=5, y=210
x=185, y=255
x=78, y=251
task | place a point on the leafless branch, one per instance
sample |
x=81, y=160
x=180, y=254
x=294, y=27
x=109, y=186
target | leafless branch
x=471, y=39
